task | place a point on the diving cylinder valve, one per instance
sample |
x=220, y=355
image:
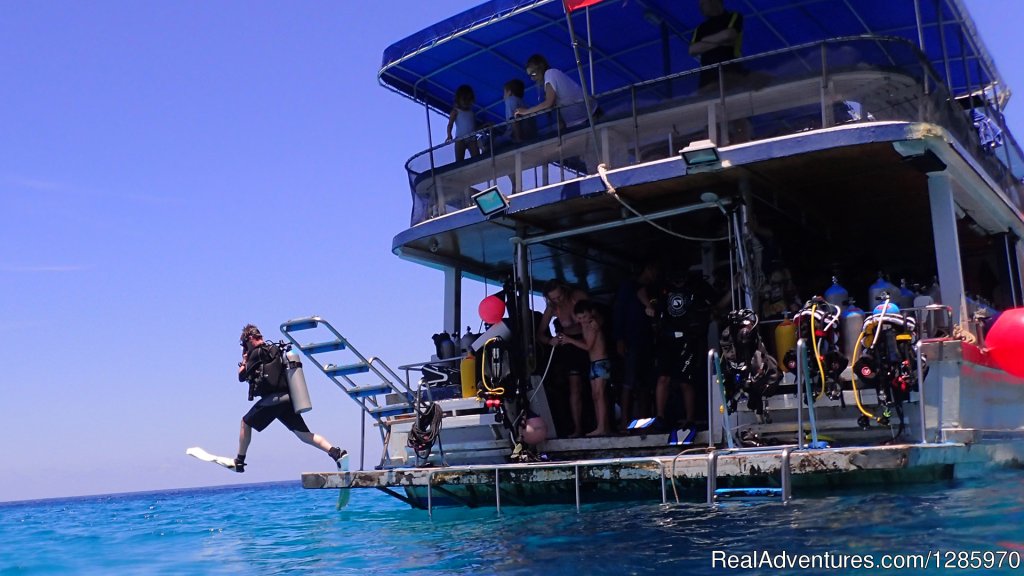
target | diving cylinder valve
x=467, y=369
x=875, y=290
x=850, y=326
x=297, y=384
x=785, y=339
x=836, y=294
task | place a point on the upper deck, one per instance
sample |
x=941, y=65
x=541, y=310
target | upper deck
x=823, y=79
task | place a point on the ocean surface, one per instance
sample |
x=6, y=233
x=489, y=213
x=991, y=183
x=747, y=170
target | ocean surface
x=282, y=529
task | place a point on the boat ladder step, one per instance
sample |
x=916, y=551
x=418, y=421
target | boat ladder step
x=751, y=492
x=371, y=390
x=784, y=493
x=347, y=369
x=389, y=410
x=321, y=347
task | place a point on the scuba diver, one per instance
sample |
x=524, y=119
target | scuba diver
x=747, y=368
x=263, y=367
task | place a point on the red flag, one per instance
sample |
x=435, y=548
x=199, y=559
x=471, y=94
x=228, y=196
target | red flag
x=571, y=5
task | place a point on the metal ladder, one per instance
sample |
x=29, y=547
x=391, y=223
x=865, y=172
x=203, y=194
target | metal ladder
x=371, y=396
x=785, y=491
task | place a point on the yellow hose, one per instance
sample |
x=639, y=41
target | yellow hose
x=814, y=345
x=853, y=377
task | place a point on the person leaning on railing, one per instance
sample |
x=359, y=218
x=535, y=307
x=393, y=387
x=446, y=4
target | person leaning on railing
x=718, y=39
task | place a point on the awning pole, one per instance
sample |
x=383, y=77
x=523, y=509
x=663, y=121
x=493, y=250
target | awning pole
x=583, y=81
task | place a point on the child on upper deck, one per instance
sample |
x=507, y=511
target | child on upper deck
x=515, y=91
x=593, y=341
x=464, y=121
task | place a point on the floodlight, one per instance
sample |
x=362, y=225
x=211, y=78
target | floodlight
x=491, y=202
x=700, y=153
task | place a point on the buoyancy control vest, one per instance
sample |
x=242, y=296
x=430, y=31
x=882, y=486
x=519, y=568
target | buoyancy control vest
x=265, y=370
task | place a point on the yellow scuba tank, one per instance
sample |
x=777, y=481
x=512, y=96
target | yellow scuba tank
x=468, y=369
x=785, y=339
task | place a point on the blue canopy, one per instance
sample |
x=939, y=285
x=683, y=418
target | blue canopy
x=636, y=40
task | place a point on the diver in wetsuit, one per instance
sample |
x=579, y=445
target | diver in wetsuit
x=262, y=366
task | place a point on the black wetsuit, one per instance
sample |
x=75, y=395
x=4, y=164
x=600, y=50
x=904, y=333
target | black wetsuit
x=265, y=364
x=684, y=316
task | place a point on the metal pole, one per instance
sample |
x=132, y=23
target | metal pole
x=711, y=398
x=1010, y=268
x=801, y=353
x=362, y=439
x=787, y=488
x=920, y=393
x=945, y=51
x=497, y=491
x=576, y=480
x=583, y=81
x=712, y=475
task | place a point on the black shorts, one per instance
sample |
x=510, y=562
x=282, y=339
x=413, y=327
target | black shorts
x=682, y=359
x=274, y=407
x=573, y=360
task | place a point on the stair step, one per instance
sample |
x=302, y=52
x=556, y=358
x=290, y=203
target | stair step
x=347, y=369
x=752, y=492
x=300, y=324
x=319, y=347
x=371, y=390
x=388, y=411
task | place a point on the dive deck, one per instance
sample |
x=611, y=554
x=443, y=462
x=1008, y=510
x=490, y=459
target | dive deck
x=680, y=477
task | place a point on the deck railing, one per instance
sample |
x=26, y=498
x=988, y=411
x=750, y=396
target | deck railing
x=799, y=89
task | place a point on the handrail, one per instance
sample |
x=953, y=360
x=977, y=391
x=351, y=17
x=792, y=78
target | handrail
x=575, y=464
x=931, y=104
x=785, y=468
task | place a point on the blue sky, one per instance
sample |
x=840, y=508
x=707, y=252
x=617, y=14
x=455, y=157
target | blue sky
x=172, y=170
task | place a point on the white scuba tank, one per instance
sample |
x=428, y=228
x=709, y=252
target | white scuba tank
x=836, y=294
x=297, y=384
x=926, y=318
x=875, y=291
x=850, y=325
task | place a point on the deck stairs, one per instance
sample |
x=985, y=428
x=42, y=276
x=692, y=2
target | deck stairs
x=368, y=381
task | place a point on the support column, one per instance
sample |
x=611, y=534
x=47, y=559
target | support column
x=947, y=241
x=452, y=299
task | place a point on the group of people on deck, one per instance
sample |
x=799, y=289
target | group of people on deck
x=653, y=335
x=716, y=40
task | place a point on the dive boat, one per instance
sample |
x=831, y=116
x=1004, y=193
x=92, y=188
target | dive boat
x=849, y=138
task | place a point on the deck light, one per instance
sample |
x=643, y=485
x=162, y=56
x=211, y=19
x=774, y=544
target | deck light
x=491, y=202
x=700, y=154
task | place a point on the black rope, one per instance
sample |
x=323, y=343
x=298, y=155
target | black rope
x=425, y=431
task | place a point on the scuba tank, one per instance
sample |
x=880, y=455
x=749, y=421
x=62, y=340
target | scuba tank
x=927, y=317
x=836, y=294
x=875, y=290
x=466, y=342
x=467, y=368
x=444, y=348
x=297, y=389
x=785, y=338
x=906, y=296
x=851, y=323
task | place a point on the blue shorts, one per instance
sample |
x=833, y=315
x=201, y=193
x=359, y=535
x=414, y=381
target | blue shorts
x=600, y=369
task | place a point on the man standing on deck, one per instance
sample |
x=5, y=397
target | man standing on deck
x=718, y=39
x=262, y=366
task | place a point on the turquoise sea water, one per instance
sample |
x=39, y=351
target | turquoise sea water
x=282, y=529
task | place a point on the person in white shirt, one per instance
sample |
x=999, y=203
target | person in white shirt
x=560, y=92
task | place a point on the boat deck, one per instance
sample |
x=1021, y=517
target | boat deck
x=683, y=476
